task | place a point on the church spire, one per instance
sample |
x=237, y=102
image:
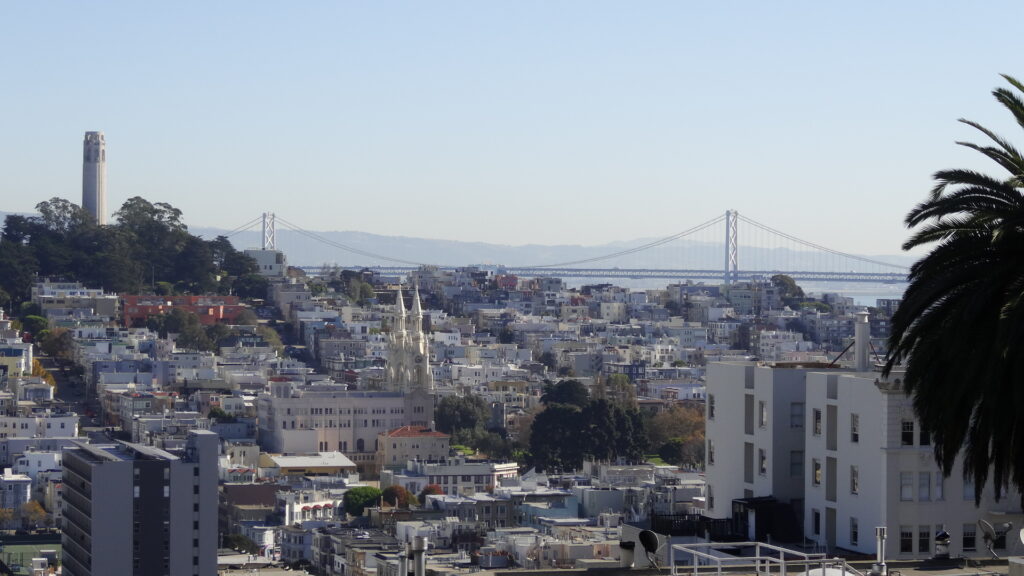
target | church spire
x=399, y=312
x=417, y=309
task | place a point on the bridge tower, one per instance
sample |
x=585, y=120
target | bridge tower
x=269, y=234
x=731, y=272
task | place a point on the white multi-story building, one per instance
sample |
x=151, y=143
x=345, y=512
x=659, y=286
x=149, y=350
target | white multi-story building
x=32, y=462
x=15, y=490
x=40, y=425
x=837, y=452
x=870, y=464
x=754, y=435
x=456, y=476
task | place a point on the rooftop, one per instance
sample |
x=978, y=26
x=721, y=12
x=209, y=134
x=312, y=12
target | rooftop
x=415, y=432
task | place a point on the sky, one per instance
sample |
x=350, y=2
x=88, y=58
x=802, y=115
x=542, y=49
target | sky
x=547, y=122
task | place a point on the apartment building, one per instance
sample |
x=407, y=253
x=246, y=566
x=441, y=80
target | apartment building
x=134, y=509
x=829, y=454
x=870, y=464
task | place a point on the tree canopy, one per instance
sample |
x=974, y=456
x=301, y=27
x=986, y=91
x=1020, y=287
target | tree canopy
x=399, y=497
x=359, y=498
x=454, y=413
x=960, y=328
x=563, y=435
x=148, y=244
x=571, y=392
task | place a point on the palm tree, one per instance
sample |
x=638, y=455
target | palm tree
x=960, y=327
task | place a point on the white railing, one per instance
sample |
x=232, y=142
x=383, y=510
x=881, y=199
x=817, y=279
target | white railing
x=767, y=559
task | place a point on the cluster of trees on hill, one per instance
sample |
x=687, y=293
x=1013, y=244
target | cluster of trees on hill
x=147, y=249
x=572, y=426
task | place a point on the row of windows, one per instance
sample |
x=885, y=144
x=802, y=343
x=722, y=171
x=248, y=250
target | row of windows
x=926, y=489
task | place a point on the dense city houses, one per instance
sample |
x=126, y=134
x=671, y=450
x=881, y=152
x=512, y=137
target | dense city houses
x=335, y=421
x=350, y=413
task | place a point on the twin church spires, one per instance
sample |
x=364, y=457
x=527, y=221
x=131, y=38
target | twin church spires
x=408, y=349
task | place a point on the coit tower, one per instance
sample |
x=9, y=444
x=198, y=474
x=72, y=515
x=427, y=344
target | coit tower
x=94, y=176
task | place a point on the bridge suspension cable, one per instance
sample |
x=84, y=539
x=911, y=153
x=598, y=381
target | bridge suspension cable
x=635, y=249
x=345, y=247
x=247, y=226
x=819, y=247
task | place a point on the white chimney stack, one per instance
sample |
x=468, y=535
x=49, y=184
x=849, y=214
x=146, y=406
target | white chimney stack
x=862, y=342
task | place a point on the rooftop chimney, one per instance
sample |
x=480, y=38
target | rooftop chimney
x=862, y=337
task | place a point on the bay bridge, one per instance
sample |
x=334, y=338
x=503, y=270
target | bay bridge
x=708, y=251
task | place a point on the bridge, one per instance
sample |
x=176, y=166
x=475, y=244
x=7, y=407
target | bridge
x=686, y=255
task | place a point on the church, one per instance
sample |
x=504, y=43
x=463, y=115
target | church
x=297, y=417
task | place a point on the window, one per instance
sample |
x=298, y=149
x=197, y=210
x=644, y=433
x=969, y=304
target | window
x=711, y=406
x=907, y=436
x=854, y=531
x=924, y=486
x=924, y=538
x=816, y=521
x=906, y=539
x=925, y=439
x=906, y=486
x=854, y=480
x=796, y=463
x=762, y=409
x=817, y=422
x=711, y=452
x=939, y=485
x=855, y=428
x=816, y=472
x=970, y=541
x=762, y=458
x=796, y=415
x=968, y=488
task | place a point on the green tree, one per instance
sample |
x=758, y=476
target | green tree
x=359, y=498
x=242, y=543
x=251, y=286
x=555, y=438
x=59, y=344
x=787, y=287
x=461, y=412
x=63, y=217
x=34, y=325
x=566, y=392
x=960, y=327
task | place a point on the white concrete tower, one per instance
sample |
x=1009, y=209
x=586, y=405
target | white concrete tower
x=94, y=176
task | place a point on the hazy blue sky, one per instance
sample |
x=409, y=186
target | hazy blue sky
x=516, y=122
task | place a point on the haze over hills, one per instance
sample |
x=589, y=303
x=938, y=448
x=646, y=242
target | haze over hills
x=303, y=249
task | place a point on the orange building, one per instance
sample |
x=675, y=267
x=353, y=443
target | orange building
x=136, y=308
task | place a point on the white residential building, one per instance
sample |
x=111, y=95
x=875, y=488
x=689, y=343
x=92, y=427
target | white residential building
x=870, y=464
x=836, y=452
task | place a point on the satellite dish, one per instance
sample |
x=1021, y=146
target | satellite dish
x=651, y=543
x=990, y=534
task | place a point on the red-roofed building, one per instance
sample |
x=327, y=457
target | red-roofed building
x=135, y=308
x=396, y=447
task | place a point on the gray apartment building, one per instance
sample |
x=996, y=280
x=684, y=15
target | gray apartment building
x=135, y=509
